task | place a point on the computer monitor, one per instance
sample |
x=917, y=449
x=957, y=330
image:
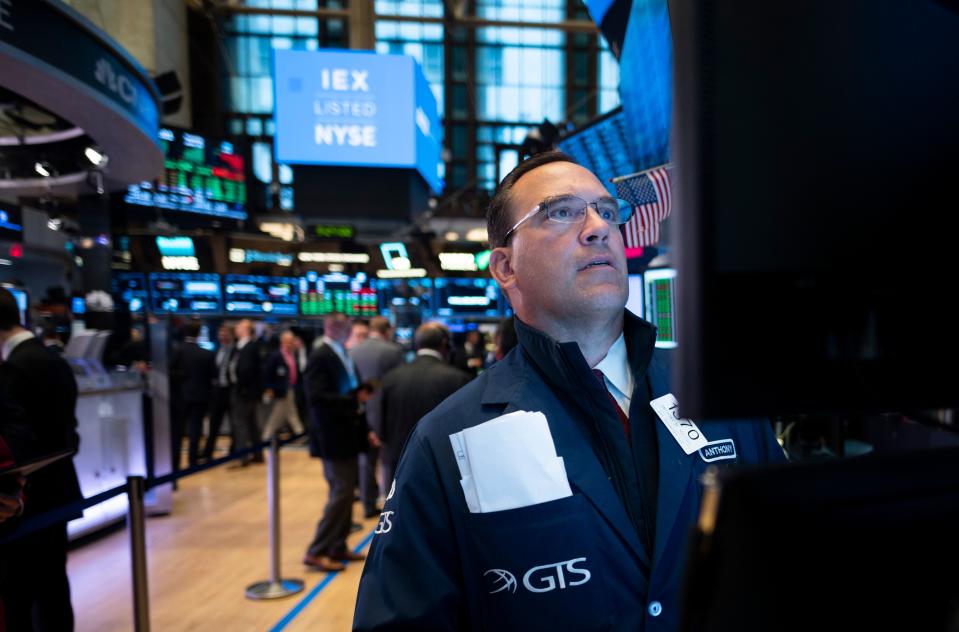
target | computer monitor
x=260, y=295
x=467, y=298
x=660, y=293
x=337, y=292
x=185, y=293
x=866, y=543
x=815, y=146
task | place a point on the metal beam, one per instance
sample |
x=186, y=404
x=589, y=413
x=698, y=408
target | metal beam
x=468, y=21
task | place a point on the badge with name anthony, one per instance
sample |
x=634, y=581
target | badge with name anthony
x=724, y=449
x=687, y=434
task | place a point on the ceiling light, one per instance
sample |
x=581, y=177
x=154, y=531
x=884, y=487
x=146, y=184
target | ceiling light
x=95, y=156
x=451, y=236
x=477, y=234
x=41, y=168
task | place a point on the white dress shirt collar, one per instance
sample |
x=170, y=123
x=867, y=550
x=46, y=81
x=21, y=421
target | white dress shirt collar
x=12, y=343
x=619, y=377
x=429, y=352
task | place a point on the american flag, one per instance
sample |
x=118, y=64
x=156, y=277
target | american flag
x=649, y=193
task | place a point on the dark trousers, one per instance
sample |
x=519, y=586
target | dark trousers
x=222, y=397
x=243, y=417
x=369, y=488
x=34, y=588
x=195, y=412
x=334, y=526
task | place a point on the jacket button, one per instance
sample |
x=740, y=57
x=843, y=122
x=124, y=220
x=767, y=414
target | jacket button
x=655, y=608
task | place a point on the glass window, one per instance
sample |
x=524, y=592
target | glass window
x=263, y=162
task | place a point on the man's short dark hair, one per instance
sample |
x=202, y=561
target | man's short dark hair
x=431, y=336
x=9, y=311
x=192, y=329
x=498, y=217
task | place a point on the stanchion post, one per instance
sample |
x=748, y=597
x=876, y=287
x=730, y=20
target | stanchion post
x=136, y=487
x=275, y=587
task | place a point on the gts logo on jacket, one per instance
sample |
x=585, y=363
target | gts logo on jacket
x=540, y=579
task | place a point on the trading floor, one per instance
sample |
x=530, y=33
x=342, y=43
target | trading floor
x=214, y=544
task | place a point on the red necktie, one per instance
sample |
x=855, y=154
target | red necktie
x=619, y=411
x=291, y=366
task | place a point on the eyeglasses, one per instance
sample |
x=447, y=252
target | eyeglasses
x=569, y=209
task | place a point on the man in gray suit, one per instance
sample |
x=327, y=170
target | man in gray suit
x=373, y=358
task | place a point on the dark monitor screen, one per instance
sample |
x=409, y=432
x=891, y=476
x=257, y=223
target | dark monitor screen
x=131, y=288
x=408, y=301
x=467, y=297
x=185, y=293
x=816, y=160
x=200, y=175
x=850, y=544
x=335, y=292
x=265, y=295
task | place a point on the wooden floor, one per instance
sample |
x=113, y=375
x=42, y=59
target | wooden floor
x=214, y=544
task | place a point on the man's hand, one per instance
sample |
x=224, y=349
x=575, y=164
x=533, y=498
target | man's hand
x=374, y=440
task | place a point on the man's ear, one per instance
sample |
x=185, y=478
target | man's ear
x=501, y=267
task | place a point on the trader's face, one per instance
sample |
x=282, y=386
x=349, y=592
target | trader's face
x=287, y=341
x=561, y=272
x=244, y=329
x=225, y=334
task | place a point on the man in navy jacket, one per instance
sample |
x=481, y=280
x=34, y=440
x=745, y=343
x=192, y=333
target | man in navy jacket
x=611, y=555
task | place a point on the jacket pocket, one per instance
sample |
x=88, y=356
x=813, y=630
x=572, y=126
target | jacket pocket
x=537, y=567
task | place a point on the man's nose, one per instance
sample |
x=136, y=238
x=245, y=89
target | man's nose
x=594, y=228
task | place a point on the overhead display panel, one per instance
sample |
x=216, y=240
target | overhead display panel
x=185, y=293
x=200, y=175
x=130, y=288
x=265, y=295
x=325, y=293
x=355, y=108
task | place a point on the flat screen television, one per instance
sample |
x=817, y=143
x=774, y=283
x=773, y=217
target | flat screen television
x=185, y=293
x=815, y=146
x=131, y=288
x=260, y=295
x=463, y=297
x=200, y=175
x=659, y=288
x=336, y=292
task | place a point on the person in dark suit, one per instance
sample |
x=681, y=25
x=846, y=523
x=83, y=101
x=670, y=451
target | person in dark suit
x=246, y=374
x=338, y=433
x=472, y=354
x=222, y=395
x=281, y=374
x=36, y=593
x=374, y=357
x=409, y=392
x=193, y=370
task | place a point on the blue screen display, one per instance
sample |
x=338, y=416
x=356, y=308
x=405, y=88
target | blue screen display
x=185, y=293
x=355, y=108
x=248, y=294
x=130, y=288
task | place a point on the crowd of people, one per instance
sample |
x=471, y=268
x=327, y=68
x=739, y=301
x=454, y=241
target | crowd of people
x=350, y=390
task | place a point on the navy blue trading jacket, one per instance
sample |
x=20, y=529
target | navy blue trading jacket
x=577, y=563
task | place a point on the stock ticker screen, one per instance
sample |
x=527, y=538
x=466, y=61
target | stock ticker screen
x=661, y=305
x=130, y=288
x=200, y=176
x=325, y=293
x=468, y=297
x=265, y=295
x=185, y=293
